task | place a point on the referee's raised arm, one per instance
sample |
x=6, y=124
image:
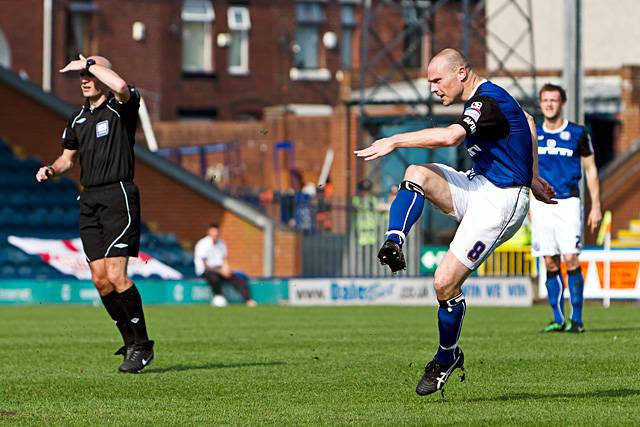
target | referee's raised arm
x=100, y=68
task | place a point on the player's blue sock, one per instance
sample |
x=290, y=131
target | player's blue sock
x=450, y=315
x=405, y=211
x=555, y=290
x=576, y=293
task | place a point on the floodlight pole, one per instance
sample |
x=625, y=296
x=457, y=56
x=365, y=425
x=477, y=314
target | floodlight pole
x=466, y=23
x=572, y=73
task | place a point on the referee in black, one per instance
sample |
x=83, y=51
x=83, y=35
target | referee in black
x=101, y=134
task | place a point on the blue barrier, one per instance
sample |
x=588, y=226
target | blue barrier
x=264, y=291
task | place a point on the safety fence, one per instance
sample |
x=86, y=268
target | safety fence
x=509, y=262
x=347, y=244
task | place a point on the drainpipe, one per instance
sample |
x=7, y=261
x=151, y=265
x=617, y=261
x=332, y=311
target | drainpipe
x=46, y=44
x=269, y=245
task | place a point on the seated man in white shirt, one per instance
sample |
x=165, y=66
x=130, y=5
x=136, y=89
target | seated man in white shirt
x=210, y=259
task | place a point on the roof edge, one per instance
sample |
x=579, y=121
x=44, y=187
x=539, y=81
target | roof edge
x=32, y=90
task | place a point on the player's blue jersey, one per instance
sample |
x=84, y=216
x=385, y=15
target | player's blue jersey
x=498, y=137
x=559, y=157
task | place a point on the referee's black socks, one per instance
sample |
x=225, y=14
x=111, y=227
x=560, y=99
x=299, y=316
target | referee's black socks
x=112, y=302
x=132, y=305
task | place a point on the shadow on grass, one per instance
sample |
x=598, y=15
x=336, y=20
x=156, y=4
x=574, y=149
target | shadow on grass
x=179, y=368
x=585, y=395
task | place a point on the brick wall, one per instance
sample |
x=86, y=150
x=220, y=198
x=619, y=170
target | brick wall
x=619, y=192
x=31, y=128
x=154, y=64
x=311, y=136
x=630, y=111
x=23, y=29
x=35, y=130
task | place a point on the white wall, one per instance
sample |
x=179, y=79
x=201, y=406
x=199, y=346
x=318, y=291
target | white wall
x=610, y=33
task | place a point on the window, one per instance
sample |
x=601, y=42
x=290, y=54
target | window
x=197, y=20
x=239, y=25
x=309, y=17
x=188, y=114
x=348, y=21
x=80, y=37
x=5, y=51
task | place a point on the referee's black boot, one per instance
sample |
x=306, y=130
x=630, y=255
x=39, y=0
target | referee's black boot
x=138, y=358
x=391, y=254
x=436, y=375
x=125, y=351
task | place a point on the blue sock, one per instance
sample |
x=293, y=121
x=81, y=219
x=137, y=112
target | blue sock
x=450, y=315
x=405, y=211
x=576, y=292
x=555, y=290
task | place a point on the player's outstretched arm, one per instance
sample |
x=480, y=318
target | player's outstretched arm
x=426, y=138
x=60, y=166
x=591, y=175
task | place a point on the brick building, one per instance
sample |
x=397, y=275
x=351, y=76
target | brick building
x=223, y=59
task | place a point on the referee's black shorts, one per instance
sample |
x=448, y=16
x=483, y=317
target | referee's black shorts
x=110, y=220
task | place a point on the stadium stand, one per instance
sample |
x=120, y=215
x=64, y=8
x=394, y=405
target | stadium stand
x=628, y=238
x=51, y=211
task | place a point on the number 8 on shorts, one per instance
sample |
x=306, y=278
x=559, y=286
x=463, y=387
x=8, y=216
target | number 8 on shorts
x=476, y=251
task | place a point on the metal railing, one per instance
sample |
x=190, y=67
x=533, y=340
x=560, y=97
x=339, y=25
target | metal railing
x=346, y=240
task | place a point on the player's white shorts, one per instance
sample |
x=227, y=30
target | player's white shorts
x=488, y=215
x=556, y=229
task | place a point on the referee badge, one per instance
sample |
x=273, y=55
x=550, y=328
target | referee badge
x=102, y=128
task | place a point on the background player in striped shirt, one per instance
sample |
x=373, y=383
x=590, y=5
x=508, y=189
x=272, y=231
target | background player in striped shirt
x=564, y=150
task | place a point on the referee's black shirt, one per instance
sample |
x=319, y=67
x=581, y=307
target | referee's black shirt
x=104, y=138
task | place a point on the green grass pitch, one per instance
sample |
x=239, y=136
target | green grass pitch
x=317, y=366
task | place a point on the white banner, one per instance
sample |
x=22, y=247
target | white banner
x=624, y=271
x=404, y=291
x=67, y=256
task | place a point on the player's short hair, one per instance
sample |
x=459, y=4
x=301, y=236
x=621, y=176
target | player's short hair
x=550, y=87
x=453, y=57
x=214, y=225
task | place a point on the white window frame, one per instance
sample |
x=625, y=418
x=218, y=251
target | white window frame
x=241, y=28
x=206, y=19
x=316, y=74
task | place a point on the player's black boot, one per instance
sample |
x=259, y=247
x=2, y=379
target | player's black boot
x=436, y=375
x=138, y=358
x=391, y=254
